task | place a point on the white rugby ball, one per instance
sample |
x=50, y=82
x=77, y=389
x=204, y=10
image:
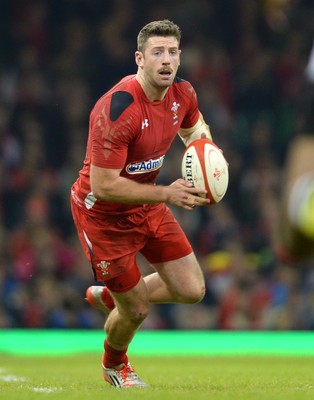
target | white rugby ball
x=204, y=165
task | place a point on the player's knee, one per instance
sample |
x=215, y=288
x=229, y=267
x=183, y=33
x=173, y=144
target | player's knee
x=138, y=313
x=195, y=294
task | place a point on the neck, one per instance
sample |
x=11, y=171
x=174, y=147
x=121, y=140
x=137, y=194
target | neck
x=151, y=92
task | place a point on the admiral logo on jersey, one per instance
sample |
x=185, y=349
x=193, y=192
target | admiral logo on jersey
x=145, y=166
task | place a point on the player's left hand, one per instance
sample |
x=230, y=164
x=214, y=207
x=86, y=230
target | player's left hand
x=196, y=201
x=184, y=194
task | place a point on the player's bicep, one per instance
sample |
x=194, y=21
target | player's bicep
x=108, y=150
x=102, y=179
x=110, y=140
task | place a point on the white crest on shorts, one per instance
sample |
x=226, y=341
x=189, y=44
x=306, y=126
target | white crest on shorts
x=103, y=266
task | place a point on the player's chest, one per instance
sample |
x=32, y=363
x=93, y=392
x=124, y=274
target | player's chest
x=158, y=126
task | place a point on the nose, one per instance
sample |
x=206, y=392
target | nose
x=166, y=58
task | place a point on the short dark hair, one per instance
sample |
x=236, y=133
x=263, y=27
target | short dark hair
x=157, y=28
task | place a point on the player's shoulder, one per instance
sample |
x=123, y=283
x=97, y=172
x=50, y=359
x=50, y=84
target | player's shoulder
x=184, y=87
x=119, y=98
x=120, y=101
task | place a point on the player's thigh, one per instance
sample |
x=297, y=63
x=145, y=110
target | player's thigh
x=300, y=159
x=299, y=174
x=167, y=240
x=299, y=171
x=183, y=275
x=111, y=245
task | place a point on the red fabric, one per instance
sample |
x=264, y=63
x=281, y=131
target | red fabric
x=112, y=244
x=112, y=357
x=136, y=142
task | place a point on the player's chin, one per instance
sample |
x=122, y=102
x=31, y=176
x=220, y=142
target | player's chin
x=165, y=81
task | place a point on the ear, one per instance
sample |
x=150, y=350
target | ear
x=139, y=58
x=179, y=57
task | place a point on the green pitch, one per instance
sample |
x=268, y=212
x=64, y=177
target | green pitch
x=270, y=366
x=170, y=378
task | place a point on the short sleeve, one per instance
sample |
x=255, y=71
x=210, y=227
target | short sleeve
x=109, y=139
x=192, y=114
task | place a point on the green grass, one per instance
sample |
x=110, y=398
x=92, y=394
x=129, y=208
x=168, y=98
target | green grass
x=170, y=378
x=185, y=365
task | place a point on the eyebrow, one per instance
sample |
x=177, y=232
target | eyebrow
x=163, y=47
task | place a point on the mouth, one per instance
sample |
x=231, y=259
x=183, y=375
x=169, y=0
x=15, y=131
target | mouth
x=165, y=73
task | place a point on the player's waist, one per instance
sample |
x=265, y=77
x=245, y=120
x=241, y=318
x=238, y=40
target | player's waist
x=101, y=209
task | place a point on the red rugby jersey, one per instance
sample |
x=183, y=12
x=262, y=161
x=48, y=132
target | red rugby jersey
x=129, y=132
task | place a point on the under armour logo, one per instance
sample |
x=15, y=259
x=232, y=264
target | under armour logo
x=145, y=123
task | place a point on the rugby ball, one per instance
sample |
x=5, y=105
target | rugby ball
x=204, y=165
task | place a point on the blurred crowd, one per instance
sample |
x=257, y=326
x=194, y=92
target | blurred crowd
x=246, y=60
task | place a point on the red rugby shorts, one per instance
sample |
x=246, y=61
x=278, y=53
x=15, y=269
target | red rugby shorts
x=112, y=243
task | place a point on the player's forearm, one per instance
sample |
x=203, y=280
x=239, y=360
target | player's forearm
x=198, y=131
x=123, y=190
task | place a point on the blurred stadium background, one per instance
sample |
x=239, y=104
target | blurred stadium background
x=246, y=60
